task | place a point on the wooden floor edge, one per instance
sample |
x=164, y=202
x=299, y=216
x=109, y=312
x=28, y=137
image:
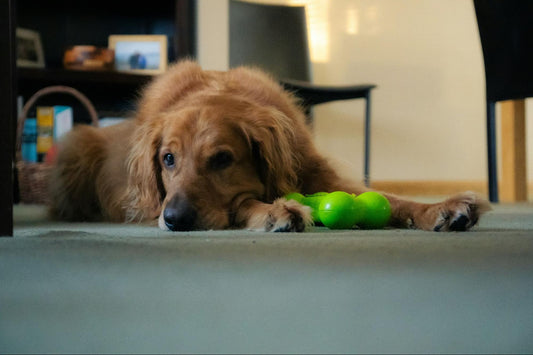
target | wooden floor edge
x=433, y=188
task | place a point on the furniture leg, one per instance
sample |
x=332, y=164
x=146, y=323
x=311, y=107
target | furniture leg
x=367, y=141
x=491, y=150
x=513, y=142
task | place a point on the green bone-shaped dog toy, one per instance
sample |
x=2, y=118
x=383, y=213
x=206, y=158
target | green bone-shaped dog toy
x=340, y=210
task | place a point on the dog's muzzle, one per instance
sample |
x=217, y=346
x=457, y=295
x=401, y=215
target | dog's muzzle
x=179, y=214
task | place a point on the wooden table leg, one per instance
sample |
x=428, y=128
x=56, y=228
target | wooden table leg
x=7, y=114
x=513, y=185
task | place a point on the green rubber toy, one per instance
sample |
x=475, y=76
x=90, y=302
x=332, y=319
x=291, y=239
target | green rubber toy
x=377, y=210
x=341, y=210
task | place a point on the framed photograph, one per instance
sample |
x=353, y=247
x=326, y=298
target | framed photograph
x=143, y=54
x=29, y=49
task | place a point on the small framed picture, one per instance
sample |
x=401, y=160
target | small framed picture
x=29, y=49
x=142, y=54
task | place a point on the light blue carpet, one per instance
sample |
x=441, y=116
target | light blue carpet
x=108, y=288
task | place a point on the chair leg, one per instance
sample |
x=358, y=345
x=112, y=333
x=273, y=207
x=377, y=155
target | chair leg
x=491, y=146
x=513, y=179
x=367, y=141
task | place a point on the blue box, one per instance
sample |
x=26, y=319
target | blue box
x=29, y=140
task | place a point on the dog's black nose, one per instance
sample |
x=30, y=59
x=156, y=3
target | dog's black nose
x=179, y=214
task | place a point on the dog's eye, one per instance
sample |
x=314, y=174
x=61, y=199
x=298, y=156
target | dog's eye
x=168, y=159
x=220, y=160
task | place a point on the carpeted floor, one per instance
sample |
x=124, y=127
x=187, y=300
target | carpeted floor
x=109, y=288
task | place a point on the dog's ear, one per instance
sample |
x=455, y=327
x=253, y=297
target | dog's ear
x=144, y=186
x=273, y=143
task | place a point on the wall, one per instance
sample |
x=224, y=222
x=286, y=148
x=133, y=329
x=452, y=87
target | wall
x=424, y=55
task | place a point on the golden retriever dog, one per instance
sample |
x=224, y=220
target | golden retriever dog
x=215, y=150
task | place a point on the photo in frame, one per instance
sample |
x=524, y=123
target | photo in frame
x=29, y=49
x=140, y=54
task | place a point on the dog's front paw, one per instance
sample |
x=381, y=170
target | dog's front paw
x=287, y=216
x=458, y=213
x=279, y=216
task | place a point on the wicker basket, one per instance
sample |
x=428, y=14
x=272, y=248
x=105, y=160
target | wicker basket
x=33, y=177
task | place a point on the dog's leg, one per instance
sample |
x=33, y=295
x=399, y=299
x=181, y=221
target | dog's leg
x=457, y=213
x=279, y=216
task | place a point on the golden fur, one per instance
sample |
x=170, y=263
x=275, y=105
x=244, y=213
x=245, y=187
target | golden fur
x=214, y=150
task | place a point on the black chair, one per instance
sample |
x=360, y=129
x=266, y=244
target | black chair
x=274, y=38
x=506, y=33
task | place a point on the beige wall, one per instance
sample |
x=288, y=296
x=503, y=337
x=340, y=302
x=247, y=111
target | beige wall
x=425, y=57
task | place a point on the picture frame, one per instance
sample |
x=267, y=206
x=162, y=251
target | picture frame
x=30, y=52
x=140, y=54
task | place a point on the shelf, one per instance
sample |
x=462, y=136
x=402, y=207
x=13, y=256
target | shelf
x=112, y=93
x=62, y=24
x=81, y=77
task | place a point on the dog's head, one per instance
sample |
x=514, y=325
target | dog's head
x=192, y=165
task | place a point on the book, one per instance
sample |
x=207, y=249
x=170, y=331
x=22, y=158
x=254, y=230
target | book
x=29, y=140
x=62, y=121
x=45, y=130
x=52, y=123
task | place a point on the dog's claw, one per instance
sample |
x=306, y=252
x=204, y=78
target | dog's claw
x=438, y=228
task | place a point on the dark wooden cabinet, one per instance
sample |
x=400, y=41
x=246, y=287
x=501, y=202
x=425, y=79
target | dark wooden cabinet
x=62, y=23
